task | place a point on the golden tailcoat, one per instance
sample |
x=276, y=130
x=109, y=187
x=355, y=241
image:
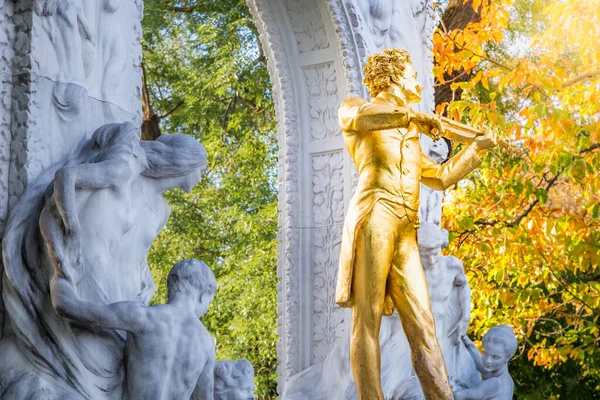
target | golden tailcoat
x=387, y=154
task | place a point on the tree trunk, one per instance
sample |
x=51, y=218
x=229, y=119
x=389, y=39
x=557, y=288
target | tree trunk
x=150, y=121
x=456, y=16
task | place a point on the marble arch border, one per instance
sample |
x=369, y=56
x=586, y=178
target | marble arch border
x=314, y=62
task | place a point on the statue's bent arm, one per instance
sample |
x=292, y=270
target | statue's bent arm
x=476, y=356
x=205, y=387
x=105, y=174
x=464, y=299
x=358, y=115
x=464, y=292
x=442, y=176
x=486, y=390
x=126, y=315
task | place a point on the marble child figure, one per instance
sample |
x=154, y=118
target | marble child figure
x=168, y=352
x=380, y=268
x=499, y=344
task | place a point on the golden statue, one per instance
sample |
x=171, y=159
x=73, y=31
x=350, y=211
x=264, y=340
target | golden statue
x=380, y=268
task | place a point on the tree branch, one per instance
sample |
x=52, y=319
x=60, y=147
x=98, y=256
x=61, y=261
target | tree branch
x=590, y=149
x=150, y=121
x=172, y=110
x=226, y=117
x=463, y=73
x=146, y=106
x=250, y=103
x=549, y=183
x=496, y=63
x=580, y=78
x=188, y=9
x=517, y=220
x=564, y=286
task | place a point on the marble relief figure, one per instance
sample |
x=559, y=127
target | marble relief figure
x=382, y=16
x=84, y=50
x=450, y=298
x=71, y=37
x=94, y=217
x=169, y=353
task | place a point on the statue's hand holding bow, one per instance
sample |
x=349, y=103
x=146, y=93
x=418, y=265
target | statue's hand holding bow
x=428, y=124
x=486, y=141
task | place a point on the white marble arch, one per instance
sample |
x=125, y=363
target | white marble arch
x=316, y=50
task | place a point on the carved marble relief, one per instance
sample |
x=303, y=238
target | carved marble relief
x=7, y=36
x=328, y=215
x=55, y=49
x=307, y=24
x=289, y=345
x=323, y=101
x=22, y=94
x=352, y=45
x=73, y=45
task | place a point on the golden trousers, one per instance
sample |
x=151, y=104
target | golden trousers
x=387, y=259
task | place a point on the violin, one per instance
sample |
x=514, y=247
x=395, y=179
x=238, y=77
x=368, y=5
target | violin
x=463, y=133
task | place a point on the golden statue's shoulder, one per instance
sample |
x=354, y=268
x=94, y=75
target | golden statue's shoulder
x=353, y=101
x=349, y=111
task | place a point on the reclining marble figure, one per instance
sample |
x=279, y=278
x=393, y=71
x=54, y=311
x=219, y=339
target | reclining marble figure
x=168, y=352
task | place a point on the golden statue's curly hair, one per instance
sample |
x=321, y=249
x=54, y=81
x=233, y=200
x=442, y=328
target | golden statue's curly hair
x=380, y=67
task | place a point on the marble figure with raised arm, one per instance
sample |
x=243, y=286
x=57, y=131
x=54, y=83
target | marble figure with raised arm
x=499, y=345
x=169, y=355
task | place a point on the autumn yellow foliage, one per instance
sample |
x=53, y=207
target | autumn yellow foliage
x=527, y=224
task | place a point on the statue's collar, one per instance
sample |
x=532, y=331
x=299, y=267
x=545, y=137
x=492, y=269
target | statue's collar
x=388, y=98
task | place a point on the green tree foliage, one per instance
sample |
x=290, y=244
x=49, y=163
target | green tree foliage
x=207, y=77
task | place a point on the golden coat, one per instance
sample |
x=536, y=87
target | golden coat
x=387, y=154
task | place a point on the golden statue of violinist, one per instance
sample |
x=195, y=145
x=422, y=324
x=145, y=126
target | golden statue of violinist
x=380, y=268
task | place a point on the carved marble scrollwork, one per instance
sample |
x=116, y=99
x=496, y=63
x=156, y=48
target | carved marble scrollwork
x=307, y=24
x=328, y=214
x=323, y=101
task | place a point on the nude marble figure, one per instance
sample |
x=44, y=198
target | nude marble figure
x=95, y=215
x=450, y=297
x=500, y=344
x=168, y=353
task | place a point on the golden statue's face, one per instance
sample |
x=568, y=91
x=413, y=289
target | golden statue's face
x=407, y=87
